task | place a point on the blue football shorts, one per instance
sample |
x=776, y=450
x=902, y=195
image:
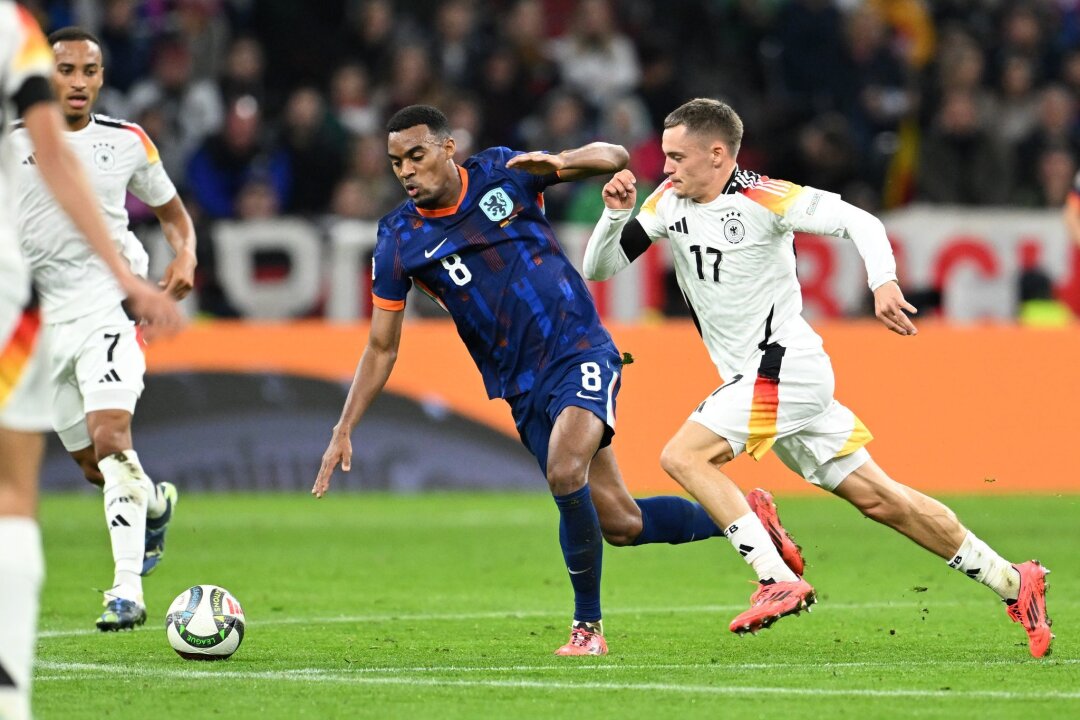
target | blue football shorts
x=590, y=380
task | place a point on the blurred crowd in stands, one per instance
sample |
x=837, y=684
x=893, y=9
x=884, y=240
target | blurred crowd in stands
x=270, y=107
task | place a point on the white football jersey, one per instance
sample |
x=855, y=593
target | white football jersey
x=24, y=53
x=735, y=259
x=71, y=279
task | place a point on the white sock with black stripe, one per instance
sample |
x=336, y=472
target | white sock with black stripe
x=752, y=541
x=127, y=492
x=979, y=562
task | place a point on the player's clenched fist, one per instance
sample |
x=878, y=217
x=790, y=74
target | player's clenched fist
x=619, y=192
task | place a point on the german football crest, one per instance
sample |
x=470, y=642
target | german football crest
x=496, y=204
x=734, y=230
x=104, y=159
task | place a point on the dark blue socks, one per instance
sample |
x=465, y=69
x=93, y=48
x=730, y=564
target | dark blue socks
x=583, y=550
x=671, y=519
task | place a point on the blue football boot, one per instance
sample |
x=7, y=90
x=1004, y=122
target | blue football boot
x=121, y=614
x=154, y=545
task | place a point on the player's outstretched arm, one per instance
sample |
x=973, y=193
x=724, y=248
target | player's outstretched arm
x=372, y=372
x=179, y=277
x=64, y=177
x=595, y=158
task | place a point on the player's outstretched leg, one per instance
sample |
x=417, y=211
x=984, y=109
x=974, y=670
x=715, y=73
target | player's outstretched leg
x=761, y=502
x=156, y=525
x=935, y=527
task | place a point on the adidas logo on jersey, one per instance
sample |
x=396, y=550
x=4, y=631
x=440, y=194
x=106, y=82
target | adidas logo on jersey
x=679, y=227
x=110, y=376
x=30, y=160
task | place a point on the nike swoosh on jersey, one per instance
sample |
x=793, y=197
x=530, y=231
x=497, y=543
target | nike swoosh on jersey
x=432, y=251
x=583, y=396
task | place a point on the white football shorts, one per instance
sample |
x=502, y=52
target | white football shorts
x=96, y=363
x=784, y=401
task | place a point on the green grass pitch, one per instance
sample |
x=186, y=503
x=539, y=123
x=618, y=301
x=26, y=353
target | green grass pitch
x=450, y=605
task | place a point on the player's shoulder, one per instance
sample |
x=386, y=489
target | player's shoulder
x=772, y=194
x=491, y=157
x=399, y=220
x=659, y=198
x=109, y=124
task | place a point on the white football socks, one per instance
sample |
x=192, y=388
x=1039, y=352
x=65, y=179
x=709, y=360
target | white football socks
x=127, y=492
x=979, y=562
x=752, y=541
x=156, y=505
x=22, y=570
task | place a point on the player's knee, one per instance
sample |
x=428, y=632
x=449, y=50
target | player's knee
x=676, y=461
x=108, y=440
x=886, y=506
x=566, y=475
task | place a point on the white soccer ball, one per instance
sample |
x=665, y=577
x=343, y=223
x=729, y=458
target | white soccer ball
x=205, y=622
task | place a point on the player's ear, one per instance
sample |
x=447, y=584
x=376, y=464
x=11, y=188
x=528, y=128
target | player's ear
x=719, y=152
x=450, y=147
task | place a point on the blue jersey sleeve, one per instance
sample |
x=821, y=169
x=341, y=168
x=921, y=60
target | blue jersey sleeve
x=389, y=282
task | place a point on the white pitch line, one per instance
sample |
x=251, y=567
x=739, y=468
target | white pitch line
x=509, y=615
x=312, y=675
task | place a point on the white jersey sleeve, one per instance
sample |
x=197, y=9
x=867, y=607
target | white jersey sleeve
x=606, y=253
x=649, y=215
x=824, y=213
x=150, y=183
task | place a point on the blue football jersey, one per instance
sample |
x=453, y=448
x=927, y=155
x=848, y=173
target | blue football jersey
x=493, y=262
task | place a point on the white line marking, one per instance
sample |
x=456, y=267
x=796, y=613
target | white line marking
x=313, y=675
x=511, y=615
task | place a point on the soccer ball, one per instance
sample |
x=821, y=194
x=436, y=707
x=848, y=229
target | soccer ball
x=205, y=622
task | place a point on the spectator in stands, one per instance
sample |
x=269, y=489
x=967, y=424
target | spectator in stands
x=205, y=30
x=524, y=31
x=810, y=40
x=877, y=92
x=961, y=162
x=231, y=159
x=412, y=80
x=458, y=48
x=594, y=58
x=503, y=97
x=368, y=167
x=1056, y=128
x=126, y=49
x=245, y=74
x=316, y=149
x=192, y=109
x=1056, y=169
x=350, y=98
x=1018, y=103
x=369, y=37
